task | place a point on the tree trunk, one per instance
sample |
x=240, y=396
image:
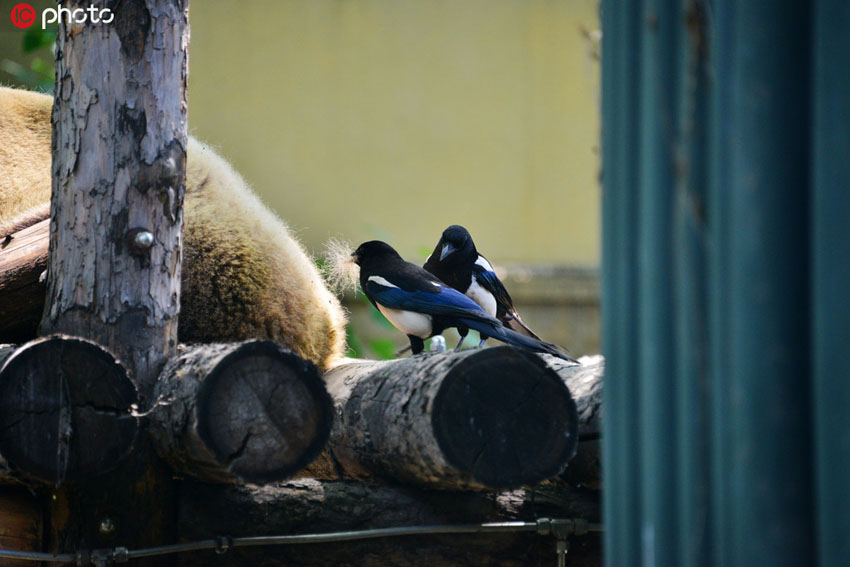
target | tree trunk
x=65, y=410
x=497, y=417
x=23, y=259
x=311, y=506
x=248, y=411
x=125, y=83
x=119, y=157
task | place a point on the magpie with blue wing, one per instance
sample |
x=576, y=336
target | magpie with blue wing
x=420, y=305
x=457, y=262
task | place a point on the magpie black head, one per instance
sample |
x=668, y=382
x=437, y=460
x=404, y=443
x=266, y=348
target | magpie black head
x=455, y=245
x=374, y=250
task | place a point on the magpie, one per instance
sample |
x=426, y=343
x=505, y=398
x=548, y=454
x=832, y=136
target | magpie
x=419, y=305
x=456, y=262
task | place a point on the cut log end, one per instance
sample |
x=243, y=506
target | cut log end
x=65, y=410
x=264, y=412
x=506, y=418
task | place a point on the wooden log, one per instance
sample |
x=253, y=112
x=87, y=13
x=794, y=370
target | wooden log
x=23, y=259
x=21, y=523
x=65, y=409
x=585, y=384
x=119, y=142
x=497, y=418
x=311, y=506
x=250, y=411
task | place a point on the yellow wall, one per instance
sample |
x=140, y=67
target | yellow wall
x=394, y=118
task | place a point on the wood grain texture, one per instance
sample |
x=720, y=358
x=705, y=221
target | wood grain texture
x=23, y=260
x=119, y=163
x=65, y=410
x=251, y=412
x=585, y=383
x=21, y=523
x=497, y=417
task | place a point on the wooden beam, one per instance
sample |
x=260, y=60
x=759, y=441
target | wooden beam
x=251, y=412
x=496, y=417
x=312, y=506
x=23, y=260
x=119, y=143
x=65, y=410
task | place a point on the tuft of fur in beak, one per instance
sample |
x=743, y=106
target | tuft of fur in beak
x=341, y=271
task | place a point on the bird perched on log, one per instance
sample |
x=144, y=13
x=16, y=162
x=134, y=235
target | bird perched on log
x=456, y=262
x=419, y=305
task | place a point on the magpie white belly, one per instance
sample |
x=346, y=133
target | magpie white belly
x=482, y=297
x=408, y=322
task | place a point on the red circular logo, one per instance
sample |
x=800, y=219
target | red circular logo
x=23, y=15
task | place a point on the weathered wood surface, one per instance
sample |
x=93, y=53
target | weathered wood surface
x=125, y=83
x=311, y=506
x=23, y=259
x=119, y=141
x=250, y=411
x=585, y=383
x=496, y=418
x=65, y=409
x=21, y=523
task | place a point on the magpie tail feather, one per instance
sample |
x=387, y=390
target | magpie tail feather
x=513, y=338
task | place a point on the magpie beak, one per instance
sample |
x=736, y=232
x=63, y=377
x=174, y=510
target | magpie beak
x=355, y=258
x=447, y=249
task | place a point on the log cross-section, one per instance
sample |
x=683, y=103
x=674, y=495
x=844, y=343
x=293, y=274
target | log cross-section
x=66, y=410
x=249, y=411
x=482, y=418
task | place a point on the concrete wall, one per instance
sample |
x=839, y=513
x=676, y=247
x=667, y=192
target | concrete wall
x=395, y=118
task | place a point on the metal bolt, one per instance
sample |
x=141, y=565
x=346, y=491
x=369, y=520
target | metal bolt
x=140, y=240
x=107, y=526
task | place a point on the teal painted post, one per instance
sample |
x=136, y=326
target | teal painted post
x=658, y=119
x=767, y=519
x=621, y=473
x=707, y=310
x=831, y=278
x=690, y=293
x=718, y=179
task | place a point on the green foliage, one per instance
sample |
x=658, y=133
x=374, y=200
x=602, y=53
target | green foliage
x=39, y=74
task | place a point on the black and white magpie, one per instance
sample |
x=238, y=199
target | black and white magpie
x=456, y=262
x=419, y=305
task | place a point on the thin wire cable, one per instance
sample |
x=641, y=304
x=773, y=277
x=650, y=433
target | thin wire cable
x=223, y=544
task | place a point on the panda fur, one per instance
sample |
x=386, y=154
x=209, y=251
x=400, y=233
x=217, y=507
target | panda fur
x=244, y=274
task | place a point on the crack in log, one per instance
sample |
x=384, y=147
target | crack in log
x=231, y=459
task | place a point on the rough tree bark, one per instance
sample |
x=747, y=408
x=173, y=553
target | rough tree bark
x=23, y=259
x=119, y=156
x=250, y=411
x=119, y=164
x=311, y=506
x=483, y=418
x=585, y=384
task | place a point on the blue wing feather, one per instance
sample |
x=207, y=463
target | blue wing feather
x=491, y=282
x=443, y=301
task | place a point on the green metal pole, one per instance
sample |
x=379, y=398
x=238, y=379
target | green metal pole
x=690, y=270
x=767, y=516
x=657, y=382
x=830, y=223
x=621, y=497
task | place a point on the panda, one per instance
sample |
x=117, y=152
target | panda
x=244, y=274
